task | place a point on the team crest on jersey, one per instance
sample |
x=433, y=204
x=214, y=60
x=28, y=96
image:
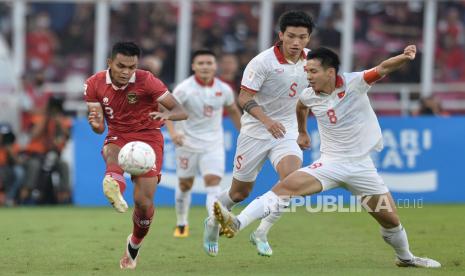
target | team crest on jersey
x=105, y=101
x=132, y=98
x=218, y=93
x=341, y=94
x=279, y=70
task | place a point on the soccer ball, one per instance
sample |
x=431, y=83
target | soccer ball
x=136, y=158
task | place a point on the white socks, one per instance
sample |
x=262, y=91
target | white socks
x=262, y=207
x=183, y=201
x=267, y=223
x=212, y=196
x=397, y=238
x=225, y=199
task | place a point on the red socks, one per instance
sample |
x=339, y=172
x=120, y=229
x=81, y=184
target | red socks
x=142, y=220
x=116, y=173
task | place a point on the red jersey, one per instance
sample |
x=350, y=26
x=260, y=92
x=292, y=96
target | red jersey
x=126, y=109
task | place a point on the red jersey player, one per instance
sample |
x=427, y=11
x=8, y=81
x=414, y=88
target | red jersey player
x=127, y=99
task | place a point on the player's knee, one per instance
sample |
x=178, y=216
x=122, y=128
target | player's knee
x=143, y=204
x=185, y=185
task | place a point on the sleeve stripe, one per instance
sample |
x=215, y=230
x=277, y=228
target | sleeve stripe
x=248, y=89
x=371, y=76
x=164, y=95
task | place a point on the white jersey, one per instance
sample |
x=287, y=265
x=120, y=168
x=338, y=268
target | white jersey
x=347, y=124
x=203, y=129
x=277, y=84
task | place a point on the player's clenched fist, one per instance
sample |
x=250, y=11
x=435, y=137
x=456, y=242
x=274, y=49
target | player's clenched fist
x=410, y=51
x=95, y=118
x=304, y=141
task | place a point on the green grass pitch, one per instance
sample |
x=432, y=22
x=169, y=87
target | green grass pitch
x=90, y=241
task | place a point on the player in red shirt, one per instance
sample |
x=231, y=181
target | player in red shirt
x=127, y=99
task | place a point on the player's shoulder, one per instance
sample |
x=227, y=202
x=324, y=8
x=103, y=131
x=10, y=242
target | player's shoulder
x=186, y=83
x=98, y=77
x=350, y=77
x=143, y=75
x=265, y=57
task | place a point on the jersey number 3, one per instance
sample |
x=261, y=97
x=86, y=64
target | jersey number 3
x=332, y=116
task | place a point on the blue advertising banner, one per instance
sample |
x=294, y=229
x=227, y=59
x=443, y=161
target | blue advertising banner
x=421, y=162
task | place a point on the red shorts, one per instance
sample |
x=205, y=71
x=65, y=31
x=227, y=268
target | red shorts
x=153, y=137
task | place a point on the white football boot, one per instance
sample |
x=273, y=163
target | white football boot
x=262, y=245
x=113, y=193
x=418, y=262
x=210, y=236
x=129, y=259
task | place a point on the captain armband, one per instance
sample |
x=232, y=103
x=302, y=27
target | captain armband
x=249, y=105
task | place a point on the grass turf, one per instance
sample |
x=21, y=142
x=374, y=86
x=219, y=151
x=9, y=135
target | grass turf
x=90, y=241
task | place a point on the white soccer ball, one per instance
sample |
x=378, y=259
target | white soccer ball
x=136, y=158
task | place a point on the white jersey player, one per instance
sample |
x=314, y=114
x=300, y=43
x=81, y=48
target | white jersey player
x=349, y=131
x=270, y=88
x=199, y=139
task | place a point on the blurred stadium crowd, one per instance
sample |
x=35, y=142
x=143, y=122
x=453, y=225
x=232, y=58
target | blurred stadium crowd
x=60, y=49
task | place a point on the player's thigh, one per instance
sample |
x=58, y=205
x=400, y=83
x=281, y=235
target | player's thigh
x=110, y=153
x=186, y=163
x=285, y=156
x=364, y=179
x=298, y=183
x=383, y=209
x=330, y=174
x=211, y=163
x=251, y=153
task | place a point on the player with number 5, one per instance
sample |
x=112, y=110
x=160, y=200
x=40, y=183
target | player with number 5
x=271, y=85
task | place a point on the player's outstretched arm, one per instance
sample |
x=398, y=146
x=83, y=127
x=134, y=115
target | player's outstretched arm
x=172, y=110
x=235, y=115
x=248, y=104
x=176, y=137
x=95, y=117
x=302, y=114
x=394, y=63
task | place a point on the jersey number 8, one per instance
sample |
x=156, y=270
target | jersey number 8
x=332, y=116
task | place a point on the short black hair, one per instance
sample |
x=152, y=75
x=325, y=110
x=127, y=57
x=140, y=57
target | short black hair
x=201, y=53
x=327, y=57
x=126, y=48
x=296, y=19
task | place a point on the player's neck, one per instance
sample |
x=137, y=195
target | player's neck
x=287, y=56
x=204, y=81
x=328, y=89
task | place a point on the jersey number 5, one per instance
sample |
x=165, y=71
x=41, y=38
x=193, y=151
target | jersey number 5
x=293, y=89
x=332, y=116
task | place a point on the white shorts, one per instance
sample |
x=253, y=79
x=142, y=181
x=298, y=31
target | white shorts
x=189, y=163
x=251, y=153
x=358, y=175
